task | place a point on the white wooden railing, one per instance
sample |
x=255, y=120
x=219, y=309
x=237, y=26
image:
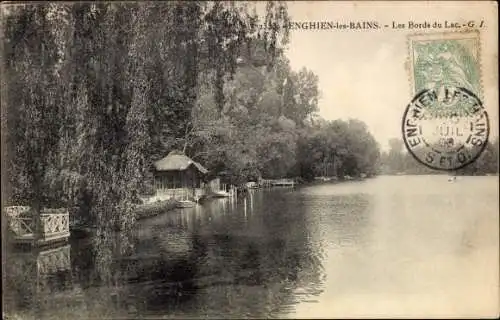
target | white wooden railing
x=54, y=223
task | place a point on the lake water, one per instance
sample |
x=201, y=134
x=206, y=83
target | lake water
x=390, y=246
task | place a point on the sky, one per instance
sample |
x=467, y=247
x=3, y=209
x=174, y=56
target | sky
x=362, y=73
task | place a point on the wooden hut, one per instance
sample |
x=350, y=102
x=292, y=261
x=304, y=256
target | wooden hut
x=179, y=177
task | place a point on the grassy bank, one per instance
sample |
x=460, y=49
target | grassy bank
x=152, y=209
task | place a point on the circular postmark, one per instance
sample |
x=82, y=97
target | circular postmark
x=445, y=128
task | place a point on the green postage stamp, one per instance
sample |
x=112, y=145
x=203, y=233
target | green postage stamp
x=445, y=126
x=445, y=59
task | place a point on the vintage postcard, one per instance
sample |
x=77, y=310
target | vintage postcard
x=239, y=159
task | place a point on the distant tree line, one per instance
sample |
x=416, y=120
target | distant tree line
x=398, y=161
x=96, y=92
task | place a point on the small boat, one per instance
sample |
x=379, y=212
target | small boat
x=185, y=204
x=452, y=179
x=221, y=194
x=251, y=185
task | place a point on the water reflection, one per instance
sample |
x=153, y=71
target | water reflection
x=37, y=281
x=379, y=247
x=255, y=256
x=245, y=257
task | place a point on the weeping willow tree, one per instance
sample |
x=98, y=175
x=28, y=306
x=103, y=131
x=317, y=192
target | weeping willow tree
x=207, y=39
x=96, y=91
x=33, y=92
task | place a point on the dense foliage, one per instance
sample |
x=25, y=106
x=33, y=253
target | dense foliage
x=98, y=91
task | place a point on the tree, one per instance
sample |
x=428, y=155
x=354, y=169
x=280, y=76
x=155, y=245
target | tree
x=33, y=104
x=338, y=148
x=395, y=158
x=301, y=95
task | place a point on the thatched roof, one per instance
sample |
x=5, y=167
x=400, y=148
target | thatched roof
x=177, y=161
